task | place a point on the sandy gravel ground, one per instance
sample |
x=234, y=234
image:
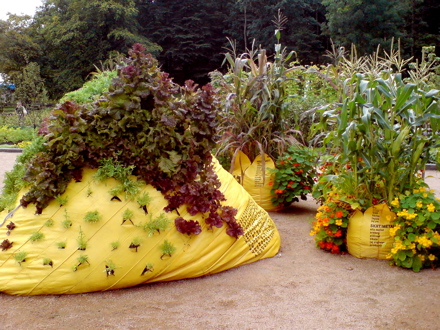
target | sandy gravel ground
x=301, y=288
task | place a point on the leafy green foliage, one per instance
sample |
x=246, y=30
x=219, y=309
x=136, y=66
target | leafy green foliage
x=91, y=89
x=166, y=133
x=294, y=176
x=13, y=181
x=15, y=135
x=348, y=21
x=379, y=137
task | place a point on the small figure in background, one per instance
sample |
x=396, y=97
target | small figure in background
x=20, y=110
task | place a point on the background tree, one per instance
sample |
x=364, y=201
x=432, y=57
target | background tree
x=422, y=25
x=191, y=34
x=29, y=86
x=363, y=23
x=253, y=19
x=76, y=34
x=17, y=46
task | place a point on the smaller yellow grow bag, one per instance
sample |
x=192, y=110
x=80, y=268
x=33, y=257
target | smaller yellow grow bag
x=250, y=176
x=368, y=234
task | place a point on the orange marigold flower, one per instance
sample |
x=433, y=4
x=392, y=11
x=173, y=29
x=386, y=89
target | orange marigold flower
x=296, y=164
x=339, y=214
x=338, y=233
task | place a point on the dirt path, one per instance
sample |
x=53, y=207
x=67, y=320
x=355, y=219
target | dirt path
x=301, y=288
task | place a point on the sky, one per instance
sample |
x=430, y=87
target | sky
x=18, y=7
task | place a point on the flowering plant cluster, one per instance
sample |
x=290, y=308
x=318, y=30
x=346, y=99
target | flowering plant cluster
x=295, y=176
x=330, y=224
x=417, y=229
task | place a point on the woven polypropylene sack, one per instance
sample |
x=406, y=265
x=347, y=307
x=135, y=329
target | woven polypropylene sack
x=250, y=175
x=368, y=234
x=111, y=260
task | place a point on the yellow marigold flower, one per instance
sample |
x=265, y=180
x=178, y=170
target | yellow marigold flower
x=421, y=256
x=424, y=241
x=431, y=207
x=425, y=195
x=395, y=202
x=431, y=257
x=338, y=222
x=438, y=199
x=415, y=191
x=422, y=189
x=394, y=230
x=419, y=204
x=402, y=213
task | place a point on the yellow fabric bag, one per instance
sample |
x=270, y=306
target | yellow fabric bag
x=250, y=175
x=368, y=234
x=45, y=257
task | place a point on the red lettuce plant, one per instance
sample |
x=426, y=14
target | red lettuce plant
x=165, y=132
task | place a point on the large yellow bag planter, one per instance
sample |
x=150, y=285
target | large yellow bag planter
x=368, y=234
x=45, y=257
x=250, y=175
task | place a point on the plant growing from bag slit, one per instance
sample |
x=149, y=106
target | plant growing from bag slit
x=144, y=201
x=47, y=262
x=110, y=268
x=66, y=223
x=37, y=236
x=92, y=217
x=20, y=257
x=6, y=245
x=10, y=226
x=82, y=259
x=156, y=225
x=148, y=268
x=166, y=132
x=127, y=216
x=167, y=249
x=49, y=223
x=114, y=245
x=135, y=243
x=81, y=240
x=61, y=200
x=61, y=245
